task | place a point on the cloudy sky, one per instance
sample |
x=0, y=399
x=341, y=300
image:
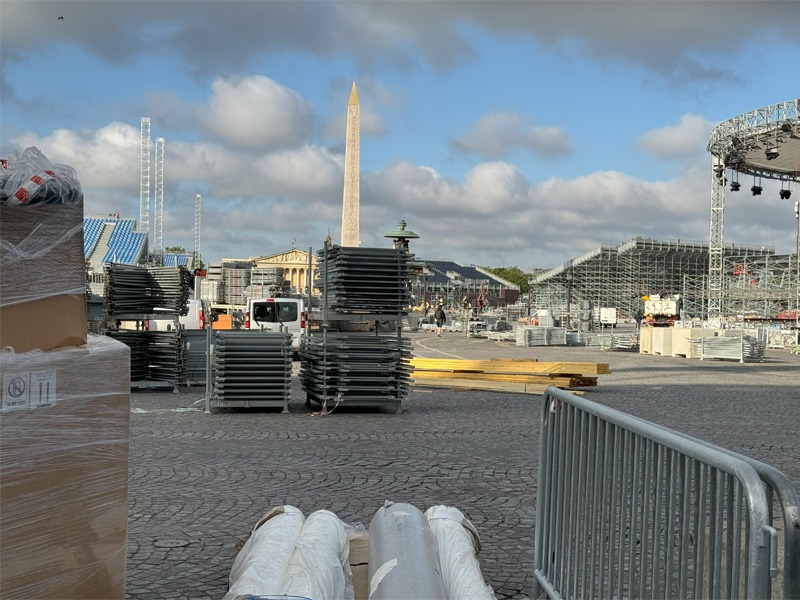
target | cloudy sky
x=504, y=133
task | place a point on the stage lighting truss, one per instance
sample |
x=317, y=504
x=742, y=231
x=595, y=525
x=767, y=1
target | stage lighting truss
x=754, y=143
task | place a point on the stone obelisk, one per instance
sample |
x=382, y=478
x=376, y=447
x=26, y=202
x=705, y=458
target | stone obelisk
x=350, y=201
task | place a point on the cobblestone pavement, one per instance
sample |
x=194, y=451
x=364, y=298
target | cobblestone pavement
x=199, y=482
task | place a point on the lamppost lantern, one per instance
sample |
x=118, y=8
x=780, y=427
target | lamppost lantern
x=400, y=236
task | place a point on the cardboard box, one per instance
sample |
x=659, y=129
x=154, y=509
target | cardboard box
x=42, y=277
x=64, y=436
x=359, y=564
x=47, y=323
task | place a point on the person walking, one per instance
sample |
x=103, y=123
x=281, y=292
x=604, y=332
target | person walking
x=440, y=318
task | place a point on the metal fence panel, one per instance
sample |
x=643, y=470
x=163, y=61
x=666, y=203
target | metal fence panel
x=626, y=508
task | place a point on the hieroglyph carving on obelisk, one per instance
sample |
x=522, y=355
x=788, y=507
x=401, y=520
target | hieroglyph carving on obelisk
x=350, y=201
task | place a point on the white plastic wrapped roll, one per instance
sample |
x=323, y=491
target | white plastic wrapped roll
x=260, y=567
x=456, y=545
x=319, y=567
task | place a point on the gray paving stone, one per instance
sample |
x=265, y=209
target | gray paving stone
x=207, y=478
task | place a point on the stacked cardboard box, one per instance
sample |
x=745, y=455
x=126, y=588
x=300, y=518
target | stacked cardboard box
x=64, y=417
x=64, y=431
x=42, y=276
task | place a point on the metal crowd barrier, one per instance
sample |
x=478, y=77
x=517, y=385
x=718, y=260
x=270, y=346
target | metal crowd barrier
x=626, y=508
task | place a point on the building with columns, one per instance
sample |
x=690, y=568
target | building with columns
x=295, y=265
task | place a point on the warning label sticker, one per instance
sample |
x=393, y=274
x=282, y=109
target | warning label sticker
x=30, y=389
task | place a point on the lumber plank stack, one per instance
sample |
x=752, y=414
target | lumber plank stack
x=526, y=376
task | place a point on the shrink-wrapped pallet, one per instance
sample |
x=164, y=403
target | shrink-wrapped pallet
x=64, y=434
x=42, y=265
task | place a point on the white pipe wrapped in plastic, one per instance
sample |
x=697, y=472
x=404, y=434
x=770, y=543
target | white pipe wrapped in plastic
x=457, y=543
x=319, y=567
x=260, y=567
x=403, y=564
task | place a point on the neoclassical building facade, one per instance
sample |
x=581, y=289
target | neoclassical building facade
x=295, y=265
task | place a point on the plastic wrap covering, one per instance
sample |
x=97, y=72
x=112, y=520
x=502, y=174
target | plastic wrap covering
x=457, y=543
x=42, y=266
x=64, y=431
x=403, y=564
x=261, y=564
x=33, y=179
x=289, y=557
x=319, y=567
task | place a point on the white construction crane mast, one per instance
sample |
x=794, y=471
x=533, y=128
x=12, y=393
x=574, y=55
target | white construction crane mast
x=144, y=180
x=197, y=215
x=158, y=222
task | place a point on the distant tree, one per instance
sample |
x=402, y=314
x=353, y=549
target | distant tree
x=514, y=275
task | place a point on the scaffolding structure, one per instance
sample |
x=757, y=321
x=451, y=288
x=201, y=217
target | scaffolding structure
x=158, y=220
x=144, y=177
x=756, y=282
x=198, y=215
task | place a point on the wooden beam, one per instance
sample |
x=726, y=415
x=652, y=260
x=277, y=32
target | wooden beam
x=506, y=365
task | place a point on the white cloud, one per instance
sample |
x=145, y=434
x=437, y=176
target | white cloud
x=499, y=134
x=687, y=138
x=256, y=113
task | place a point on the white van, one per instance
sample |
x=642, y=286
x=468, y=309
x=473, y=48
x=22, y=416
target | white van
x=197, y=317
x=277, y=314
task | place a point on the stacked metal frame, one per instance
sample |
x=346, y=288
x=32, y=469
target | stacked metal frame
x=732, y=346
x=365, y=280
x=157, y=357
x=534, y=335
x=236, y=280
x=356, y=369
x=361, y=287
x=146, y=290
x=253, y=369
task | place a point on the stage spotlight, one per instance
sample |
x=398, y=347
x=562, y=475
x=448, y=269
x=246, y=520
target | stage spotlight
x=736, y=186
x=785, y=194
x=772, y=153
x=756, y=189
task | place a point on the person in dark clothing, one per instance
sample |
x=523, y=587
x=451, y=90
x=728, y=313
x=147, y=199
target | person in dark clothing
x=440, y=318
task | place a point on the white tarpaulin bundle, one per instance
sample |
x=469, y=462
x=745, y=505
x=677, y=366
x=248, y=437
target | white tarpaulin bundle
x=456, y=544
x=288, y=555
x=319, y=567
x=262, y=562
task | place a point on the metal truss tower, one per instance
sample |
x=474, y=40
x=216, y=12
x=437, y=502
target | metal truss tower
x=197, y=219
x=715, y=241
x=158, y=218
x=144, y=178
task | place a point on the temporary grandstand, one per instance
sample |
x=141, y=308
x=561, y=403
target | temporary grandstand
x=113, y=240
x=758, y=283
